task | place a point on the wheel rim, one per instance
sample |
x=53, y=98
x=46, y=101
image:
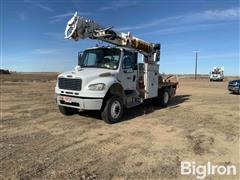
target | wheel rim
x=165, y=97
x=115, y=109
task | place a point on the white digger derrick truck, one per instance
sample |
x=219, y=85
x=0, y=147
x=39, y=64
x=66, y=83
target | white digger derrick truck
x=217, y=74
x=110, y=79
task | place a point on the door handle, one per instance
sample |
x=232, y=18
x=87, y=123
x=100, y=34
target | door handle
x=134, y=77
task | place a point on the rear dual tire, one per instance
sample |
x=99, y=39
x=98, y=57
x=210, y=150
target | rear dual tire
x=163, y=99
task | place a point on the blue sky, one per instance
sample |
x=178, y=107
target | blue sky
x=32, y=32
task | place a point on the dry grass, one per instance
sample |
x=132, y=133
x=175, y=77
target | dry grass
x=201, y=124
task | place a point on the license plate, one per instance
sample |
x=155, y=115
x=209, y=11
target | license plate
x=66, y=99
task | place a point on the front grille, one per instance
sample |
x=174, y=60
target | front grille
x=231, y=84
x=70, y=84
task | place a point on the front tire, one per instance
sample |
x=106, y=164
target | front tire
x=113, y=110
x=67, y=111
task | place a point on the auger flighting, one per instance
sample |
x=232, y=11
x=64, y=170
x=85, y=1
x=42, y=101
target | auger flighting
x=81, y=28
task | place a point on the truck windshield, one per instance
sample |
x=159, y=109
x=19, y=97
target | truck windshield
x=215, y=72
x=101, y=58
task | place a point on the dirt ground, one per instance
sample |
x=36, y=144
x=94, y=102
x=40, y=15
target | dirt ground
x=37, y=142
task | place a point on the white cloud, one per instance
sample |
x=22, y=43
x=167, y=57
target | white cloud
x=60, y=17
x=55, y=35
x=63, y=15
x=21, y=16
x=151, y=23
x=180, y=29
x=113, y=5
x=40, y=5
x=45, y=7
x=194, y=18
x=45, y=51
x=227, y=14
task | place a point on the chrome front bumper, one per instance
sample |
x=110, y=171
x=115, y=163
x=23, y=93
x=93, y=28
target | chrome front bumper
x=233, y=88
x=82, y=103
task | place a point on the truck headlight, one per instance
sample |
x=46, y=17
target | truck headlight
x=96, y=87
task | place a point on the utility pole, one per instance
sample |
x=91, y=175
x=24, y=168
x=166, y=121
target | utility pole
x=197, y=51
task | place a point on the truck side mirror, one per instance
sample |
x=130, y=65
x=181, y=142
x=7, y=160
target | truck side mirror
x=79, y=58
x=157, y=56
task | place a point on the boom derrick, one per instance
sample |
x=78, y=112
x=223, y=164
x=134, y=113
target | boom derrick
x=81, y=28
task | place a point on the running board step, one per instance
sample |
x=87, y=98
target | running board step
x=132, y=100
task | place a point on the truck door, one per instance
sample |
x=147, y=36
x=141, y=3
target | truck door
x=129, y=70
